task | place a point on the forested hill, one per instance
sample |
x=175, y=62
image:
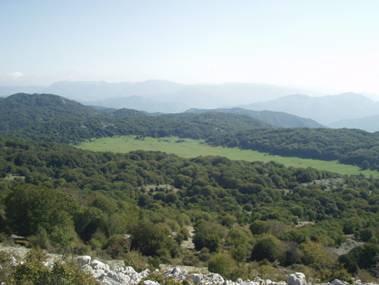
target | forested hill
x=276, y=119
x=61, y=120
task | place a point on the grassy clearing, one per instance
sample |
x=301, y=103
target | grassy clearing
x=188, y=148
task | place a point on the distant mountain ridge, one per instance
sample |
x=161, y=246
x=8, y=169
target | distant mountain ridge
x=159, y=95
x=325, y=109
x=276, y=119
x=370, y=123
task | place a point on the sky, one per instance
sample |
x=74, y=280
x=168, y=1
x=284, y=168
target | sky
x=327, y=44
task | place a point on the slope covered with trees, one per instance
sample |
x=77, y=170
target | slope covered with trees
x=57, y=119
x=63, y=120
x=275, y=119
x=345, y=145
x=69, y=200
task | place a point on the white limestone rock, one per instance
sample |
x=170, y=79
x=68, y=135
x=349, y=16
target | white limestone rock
x=98, y=265
x=338, y=282
x=297, y=278
x=150, y=282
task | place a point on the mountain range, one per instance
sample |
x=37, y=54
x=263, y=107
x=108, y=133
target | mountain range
x=370, y=123
x=53, y=113
x=276, y=119
x=348, y=110
x=159, y=95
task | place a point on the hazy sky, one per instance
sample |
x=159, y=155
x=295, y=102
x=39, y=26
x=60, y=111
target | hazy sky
x=321, y=43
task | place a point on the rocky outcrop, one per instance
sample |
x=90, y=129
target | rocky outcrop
x=126, y=275
x=297, y=278
x=115, y=273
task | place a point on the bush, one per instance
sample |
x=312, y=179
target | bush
x=153, y=240
x=363, y=257
x=118, y=246
x=209, y=235
x=33, y=271
x=259, y=227
x=223, y=264
x=316, y=255
x=240, y=241
x=136, y=260
x=268, y=248
x=293, y=255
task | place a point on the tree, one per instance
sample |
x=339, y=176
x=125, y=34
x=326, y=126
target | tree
x=153, y=240
x=28, y=210
x=364, y=257
x=209, y=235
x=240, y=241
x=268, y=247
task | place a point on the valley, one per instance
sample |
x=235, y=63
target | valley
x=189, y=148
x=189, y=142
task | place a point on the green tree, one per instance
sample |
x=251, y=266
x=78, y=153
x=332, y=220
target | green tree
x=153, y=240
x=223, y=264
x=268, y=247
x=209, y=235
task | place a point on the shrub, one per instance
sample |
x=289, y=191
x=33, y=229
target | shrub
x=223, y=264
x=33, y=271
x=209, y=235
x=153, y=240
x=316, y=255
x=136, y=260
x=268, y=248
x=364, y=257
x=118, y=246
x=240, y=241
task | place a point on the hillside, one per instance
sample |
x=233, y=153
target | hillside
x=345, y=145
x=63, y=120
x=275, y=119
x=326, y=109
x=69, y=200
x=48, y=115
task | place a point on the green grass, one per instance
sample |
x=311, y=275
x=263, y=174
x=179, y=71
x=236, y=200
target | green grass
x=188, y=148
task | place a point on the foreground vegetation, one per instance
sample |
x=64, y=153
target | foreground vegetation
x=33, y=270
x=189, y=148
x=248, y=217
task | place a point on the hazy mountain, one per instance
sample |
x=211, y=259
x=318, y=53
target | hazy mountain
x=99, y=90
x=370, y=124
x=141, y=103
x=166, y=96
x=275, y=119
x=6, y=90
x=325, y=109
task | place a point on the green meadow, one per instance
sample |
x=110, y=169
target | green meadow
x=189, y=148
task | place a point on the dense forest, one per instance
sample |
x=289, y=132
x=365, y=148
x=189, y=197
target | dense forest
x=346, y=145
x=60, y=120
x=142, y=207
